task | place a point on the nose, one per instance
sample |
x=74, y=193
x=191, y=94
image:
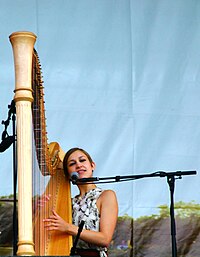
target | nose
x=78, y=164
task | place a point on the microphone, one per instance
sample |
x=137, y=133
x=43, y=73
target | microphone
x=80, y=228
x=6, y=143
x=74, y=177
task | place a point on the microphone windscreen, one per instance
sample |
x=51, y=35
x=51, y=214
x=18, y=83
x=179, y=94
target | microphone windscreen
x=6, y=143
x=74, y=177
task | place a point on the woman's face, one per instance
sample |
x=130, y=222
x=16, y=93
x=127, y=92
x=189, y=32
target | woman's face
x=79, y=162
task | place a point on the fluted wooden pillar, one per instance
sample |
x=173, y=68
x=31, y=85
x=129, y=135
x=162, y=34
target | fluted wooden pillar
x=23, y=44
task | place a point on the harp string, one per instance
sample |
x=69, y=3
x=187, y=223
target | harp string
x=49, y=179
x=42, y=164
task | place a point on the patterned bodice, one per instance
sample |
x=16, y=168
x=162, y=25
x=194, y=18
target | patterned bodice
x=85, y=208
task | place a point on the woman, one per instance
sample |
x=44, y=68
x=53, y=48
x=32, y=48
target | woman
x=96, y=207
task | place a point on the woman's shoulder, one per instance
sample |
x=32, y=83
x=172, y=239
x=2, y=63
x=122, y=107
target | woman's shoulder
x=108, y=193
x=108, y=200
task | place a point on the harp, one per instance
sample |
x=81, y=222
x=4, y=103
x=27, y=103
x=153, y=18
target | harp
x=33, y=239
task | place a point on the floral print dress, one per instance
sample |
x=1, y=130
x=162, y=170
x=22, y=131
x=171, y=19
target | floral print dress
x=85, y=208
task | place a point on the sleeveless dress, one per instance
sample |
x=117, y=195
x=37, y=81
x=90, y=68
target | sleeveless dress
x=85, y=208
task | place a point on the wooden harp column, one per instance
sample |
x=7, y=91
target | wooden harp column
x=32, y=237
x=23, y=42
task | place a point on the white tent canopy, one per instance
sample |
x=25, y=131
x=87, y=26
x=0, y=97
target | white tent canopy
x=121, y=80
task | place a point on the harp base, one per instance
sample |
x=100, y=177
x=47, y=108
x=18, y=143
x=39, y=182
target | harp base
x=25, y=248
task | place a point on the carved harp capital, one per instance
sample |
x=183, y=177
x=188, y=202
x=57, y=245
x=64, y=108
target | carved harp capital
x=23, y=44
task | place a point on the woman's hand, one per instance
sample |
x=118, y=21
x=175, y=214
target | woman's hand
x=55, y=222
x=40, y=202
x=43, y=200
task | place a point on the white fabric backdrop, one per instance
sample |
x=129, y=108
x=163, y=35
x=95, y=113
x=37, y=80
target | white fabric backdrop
x=121, y=80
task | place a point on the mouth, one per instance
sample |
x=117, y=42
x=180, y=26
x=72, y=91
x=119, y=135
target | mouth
x=81, y=171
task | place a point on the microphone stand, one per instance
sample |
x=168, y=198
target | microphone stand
x=6, y=142
x=73, y=249
x=171, y=181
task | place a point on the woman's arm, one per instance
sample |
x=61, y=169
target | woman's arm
x=108, y=208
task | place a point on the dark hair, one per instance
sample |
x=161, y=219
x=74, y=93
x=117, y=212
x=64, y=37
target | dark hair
x=69, y=152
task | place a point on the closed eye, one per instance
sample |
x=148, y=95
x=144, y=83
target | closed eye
x=82, y=160
x=71, y=164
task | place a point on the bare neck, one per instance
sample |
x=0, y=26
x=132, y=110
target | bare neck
x=85, y=188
